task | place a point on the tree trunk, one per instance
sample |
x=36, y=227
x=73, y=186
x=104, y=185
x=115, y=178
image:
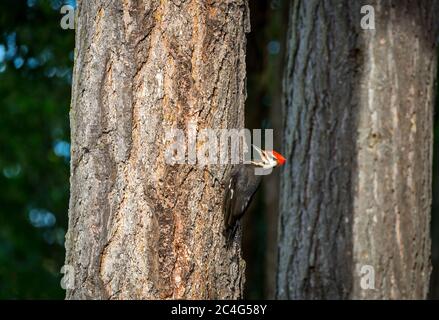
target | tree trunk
x=140, y=228
x=356, y=189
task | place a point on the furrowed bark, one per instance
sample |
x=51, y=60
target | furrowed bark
x=356, y=189
x=140, y=228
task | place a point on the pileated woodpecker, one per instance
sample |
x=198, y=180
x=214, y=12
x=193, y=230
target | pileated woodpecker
x=242, y=184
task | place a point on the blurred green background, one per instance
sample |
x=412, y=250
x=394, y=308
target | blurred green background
x=36, y=59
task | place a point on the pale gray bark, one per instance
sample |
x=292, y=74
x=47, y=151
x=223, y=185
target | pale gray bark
x=356, y=189
x=138, y=227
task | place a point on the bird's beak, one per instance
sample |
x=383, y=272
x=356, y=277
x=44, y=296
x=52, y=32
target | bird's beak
x=261, y=153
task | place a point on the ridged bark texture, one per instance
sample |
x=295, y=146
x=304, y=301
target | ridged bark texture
x=140, y=228
x=356, y=189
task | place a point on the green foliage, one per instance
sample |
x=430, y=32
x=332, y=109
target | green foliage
x=35, y=79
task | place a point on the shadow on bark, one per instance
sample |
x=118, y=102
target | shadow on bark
x=356, y=189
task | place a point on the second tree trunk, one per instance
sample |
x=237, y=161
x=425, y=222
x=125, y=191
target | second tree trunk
x=356, y=190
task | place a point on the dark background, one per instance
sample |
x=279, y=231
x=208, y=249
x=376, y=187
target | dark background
x=36, y=60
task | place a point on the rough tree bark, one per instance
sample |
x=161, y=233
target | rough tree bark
x=138, y=227
x=356, y=189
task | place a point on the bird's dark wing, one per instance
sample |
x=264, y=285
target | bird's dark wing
x=241, y=187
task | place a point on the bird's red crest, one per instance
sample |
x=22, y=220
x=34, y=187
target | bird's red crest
x=280, y=159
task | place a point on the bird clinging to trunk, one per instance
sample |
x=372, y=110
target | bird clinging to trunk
x=242, y=184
